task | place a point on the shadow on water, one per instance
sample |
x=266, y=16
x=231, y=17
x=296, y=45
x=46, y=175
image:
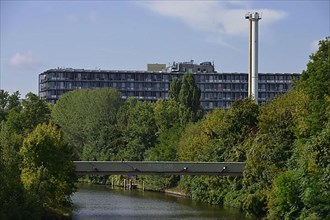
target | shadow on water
x=101, y=202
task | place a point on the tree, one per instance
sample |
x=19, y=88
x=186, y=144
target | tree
x=315, y=81
x=25, y=117
x=270, y=150
x=190, y=94
x=139, y=135
x=285, y=201
x=166, y=114
x=165, y=150
x=189, y=98
x=8, y=102
x=18, y=119
x=12, y=204
x=175, y=88
x=187, y=94
x=306, y=194
x=286, y=173
x=88, y=118
x=47, y=171
x=302, y=192
x=220, y=136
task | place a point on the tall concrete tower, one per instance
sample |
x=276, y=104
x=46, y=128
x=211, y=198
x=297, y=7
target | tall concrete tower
x=253, y=54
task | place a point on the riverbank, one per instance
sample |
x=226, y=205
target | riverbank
x=176, y=192
x=126, y=184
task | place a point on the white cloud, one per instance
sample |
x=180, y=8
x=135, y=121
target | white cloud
x=24, y=60
x=219, y=19
x=270, y=16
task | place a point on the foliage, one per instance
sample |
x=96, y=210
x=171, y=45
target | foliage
x=8, y=102
x=88, y=119
x=309, y=175
x=281, y=121
x=139, y=133
x=165, y=150
x=166, y=114
x=175, y=88
x=21, y=118
x=11, y=189
x=274, y=143
x=220, y=136
x=47, y=170
x=315, y=81
x=24, y=117
x=255, y=204
x=192, y=143
x=187, y=94
x=285, y=144
x=189, y=98
x=284, y=199
x=284, y=160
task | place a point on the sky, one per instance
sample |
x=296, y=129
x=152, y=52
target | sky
x=127, y=35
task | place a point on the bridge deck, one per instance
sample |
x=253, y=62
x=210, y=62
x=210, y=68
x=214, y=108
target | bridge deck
x=159, y=168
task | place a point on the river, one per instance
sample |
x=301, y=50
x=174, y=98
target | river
x=95, y=202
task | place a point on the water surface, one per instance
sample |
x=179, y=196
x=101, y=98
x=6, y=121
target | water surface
x=102, y=202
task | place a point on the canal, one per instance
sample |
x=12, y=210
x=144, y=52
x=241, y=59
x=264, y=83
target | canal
x=95, y=202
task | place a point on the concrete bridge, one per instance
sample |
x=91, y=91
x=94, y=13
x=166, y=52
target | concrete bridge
x=159, y=168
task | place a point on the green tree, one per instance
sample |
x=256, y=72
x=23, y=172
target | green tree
x=25, y=117
x=88, y=118
x=8, y=102
x=166, y=114
x=315, y=81
x=12, y=204
x=314, y=161
x=285, y=201
x=165, y=150
x=302, y=192
x=139, y=135
x=187, y=94
x=47, y=171
x=220, y=136
x=175, y=88
x=19, y=118
x=287, y=170
x=169, y=130
x=122, y=123
x=272, y=147
x=189, y=98
x=308, y=185
x=190, y=94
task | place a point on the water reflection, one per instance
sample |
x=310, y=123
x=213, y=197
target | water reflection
x=101, y=202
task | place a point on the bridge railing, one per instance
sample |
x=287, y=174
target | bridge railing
x=159, y=168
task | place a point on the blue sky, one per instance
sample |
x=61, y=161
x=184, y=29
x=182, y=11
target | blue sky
x=127, y=35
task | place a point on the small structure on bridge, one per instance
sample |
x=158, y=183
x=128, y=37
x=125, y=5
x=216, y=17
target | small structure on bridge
x=159, y=168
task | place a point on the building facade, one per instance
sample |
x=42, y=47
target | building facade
x=218, y=90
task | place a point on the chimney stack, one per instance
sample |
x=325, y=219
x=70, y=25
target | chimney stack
x=253, y=55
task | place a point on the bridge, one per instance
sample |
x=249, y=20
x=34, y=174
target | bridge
x=158, y=168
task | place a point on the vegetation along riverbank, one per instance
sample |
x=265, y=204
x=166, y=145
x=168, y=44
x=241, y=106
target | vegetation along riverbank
x=285, y=144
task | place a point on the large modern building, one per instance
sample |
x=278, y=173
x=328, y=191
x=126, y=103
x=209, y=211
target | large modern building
x=218, y=90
